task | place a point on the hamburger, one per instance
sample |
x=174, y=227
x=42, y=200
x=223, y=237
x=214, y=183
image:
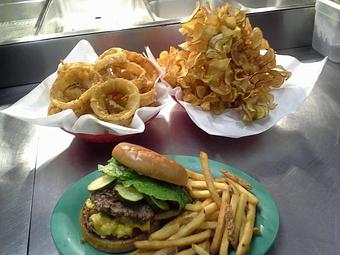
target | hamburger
x=136, y=185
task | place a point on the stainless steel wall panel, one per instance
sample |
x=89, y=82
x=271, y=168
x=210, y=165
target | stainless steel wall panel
x=31, y=62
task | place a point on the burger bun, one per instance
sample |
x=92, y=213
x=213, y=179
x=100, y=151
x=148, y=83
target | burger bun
x=150, y=163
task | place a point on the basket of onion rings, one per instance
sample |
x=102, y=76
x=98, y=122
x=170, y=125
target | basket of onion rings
x=103, y=98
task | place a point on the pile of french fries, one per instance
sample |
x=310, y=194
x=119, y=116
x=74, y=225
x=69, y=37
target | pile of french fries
x=221, y=218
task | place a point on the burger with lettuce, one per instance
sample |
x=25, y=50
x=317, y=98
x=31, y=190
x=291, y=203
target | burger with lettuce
x=137, y=185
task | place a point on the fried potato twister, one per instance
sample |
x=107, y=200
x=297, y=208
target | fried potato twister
x=224, y=63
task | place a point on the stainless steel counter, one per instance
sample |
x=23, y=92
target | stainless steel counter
x=297, y=161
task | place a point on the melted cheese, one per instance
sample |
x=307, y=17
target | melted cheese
x=105, y=226
x=89, y=204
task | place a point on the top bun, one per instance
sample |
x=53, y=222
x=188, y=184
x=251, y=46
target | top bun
x=150, y=163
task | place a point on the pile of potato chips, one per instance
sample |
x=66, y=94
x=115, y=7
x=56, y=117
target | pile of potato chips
x=224, y=63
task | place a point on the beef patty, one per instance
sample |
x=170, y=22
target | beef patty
x=107, y=201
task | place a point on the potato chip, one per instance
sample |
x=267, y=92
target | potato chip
x=224, y=63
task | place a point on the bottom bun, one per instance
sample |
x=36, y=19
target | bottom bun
x=112, y=246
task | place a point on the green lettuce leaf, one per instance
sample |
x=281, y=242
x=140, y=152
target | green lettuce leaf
x=159, y=190
x=145, y=185
x=114, y=169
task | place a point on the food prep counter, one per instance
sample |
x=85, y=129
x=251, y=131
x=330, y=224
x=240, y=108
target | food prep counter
x=297, y=160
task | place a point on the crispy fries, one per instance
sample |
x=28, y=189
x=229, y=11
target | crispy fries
x=235, y=178
x=184, y=241
x=190, y=227
x=221, y=218
x=209, y=179
x=206, y=202
x=229, y=226
x=199, y=250
x=166, y=251
x=194, y=207
x=216, y=242
x=238, y=219
x=210, y=209
x=189, y=251
x=200, y=193
x=203, y=185
x=246, y=237
x=234, y=201
x=251, y=198
x=165, y=232
x=194, y=175
x=208, y=225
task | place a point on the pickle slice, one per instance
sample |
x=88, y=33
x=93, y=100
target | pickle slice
x=100, y=183
x=160, y=204
x=129, y=193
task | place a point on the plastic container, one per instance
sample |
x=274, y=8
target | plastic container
x=326, y=35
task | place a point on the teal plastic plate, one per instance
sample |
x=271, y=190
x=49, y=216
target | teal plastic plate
x=65, y=216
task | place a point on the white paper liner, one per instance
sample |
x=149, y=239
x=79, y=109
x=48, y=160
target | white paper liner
x=288, y=99
x=34, y=106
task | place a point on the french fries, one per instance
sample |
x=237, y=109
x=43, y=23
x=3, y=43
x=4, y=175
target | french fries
x=227, y=232
x=237, y=179
x=201, y=193
x=183, y=241
x=216, y=242
x=197, y=206
x=190, y=227
x=203, y=185
x=245, y=239
x=166, y=251
x=165, y=232
x=208, y=225
x=195, y=176
x=251, y=198
x=199, y=250
x=221, y=218
x=209, y=179
x=238, y=219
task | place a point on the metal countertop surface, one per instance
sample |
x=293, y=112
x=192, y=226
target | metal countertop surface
x=297, y=161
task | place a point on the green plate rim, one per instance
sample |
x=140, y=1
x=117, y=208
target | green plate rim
x=191, y=162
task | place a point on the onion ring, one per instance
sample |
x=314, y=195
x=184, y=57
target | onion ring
x=148, y=92
x=112, y=89
x=117, y=66
x=152, y=73
x=73, y=80
x=104, y=105
x=136, y=68
x=110, y=51
x=52, y=109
